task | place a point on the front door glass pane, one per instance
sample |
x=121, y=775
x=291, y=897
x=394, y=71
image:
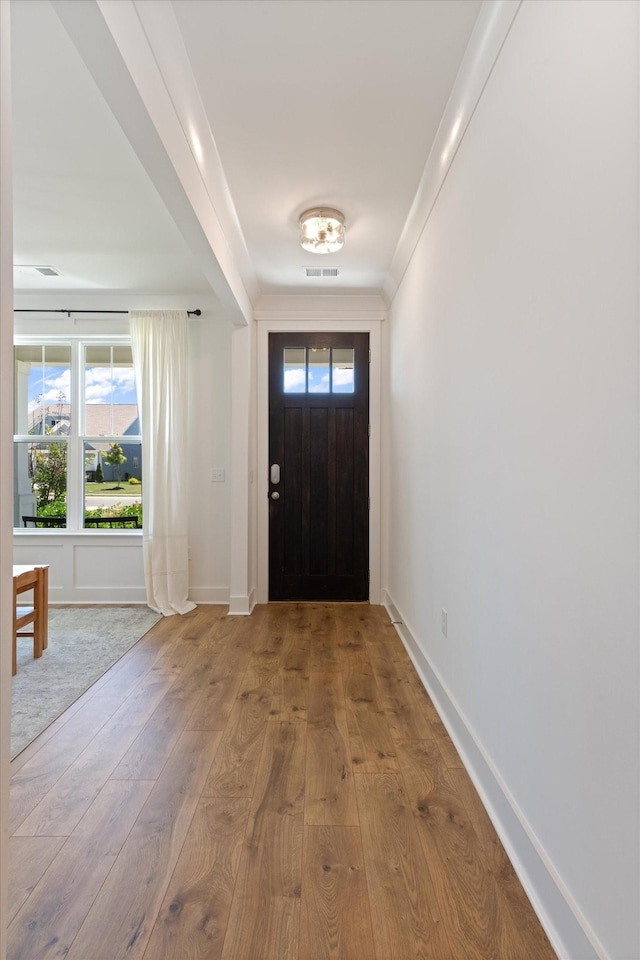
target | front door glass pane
x=343, y=364
x=295, y=370
x=319, y=370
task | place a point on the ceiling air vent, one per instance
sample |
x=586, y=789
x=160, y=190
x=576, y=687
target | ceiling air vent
x=30, y=269
x=321, y=271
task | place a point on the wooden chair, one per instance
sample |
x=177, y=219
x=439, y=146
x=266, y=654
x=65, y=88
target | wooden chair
x=26, y=579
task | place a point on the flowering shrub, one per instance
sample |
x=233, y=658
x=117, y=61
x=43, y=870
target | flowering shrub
x=54, y=508
x=117, y=510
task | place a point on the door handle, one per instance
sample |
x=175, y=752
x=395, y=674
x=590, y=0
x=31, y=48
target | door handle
x=275, y=495
x=275, y=473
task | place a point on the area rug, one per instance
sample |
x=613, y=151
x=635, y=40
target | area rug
x=83, y=643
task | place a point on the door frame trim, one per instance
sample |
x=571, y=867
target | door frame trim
x=373, y=328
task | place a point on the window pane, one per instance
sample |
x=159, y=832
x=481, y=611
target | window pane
x=110, y=406
x=112, y=487
x=343, y=364
x=40, y=481
x=295, y=372
x=42, y=390
x=319, y=370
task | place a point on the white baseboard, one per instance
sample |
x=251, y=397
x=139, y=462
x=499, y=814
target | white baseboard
x=562, y=919
x=113, y=596
x=98, y=603
x=209, y=595
x=242, y=605
x=124, y=596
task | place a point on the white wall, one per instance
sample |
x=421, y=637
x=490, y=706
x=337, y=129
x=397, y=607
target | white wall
x=242, y=495
x=6, y=467
x=209, y=447
x=514, y=461
x=107, y=567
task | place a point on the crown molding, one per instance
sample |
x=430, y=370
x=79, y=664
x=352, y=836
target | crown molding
x=320, y=307
x=492, y=27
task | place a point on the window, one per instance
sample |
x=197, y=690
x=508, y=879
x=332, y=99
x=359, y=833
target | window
x=318, y=370
x=77, y=446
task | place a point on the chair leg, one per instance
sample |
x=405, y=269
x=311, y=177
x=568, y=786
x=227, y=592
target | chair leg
x=37, y=635
x=38, y=620
x=43, y=589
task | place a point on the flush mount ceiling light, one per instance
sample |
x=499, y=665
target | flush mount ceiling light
x=322, y=230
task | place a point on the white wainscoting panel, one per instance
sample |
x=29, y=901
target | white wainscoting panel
x=87, y=567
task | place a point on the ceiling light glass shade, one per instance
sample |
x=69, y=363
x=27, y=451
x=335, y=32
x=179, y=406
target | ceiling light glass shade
x=322, y=230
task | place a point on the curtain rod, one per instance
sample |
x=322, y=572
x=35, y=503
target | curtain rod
x=191, y=313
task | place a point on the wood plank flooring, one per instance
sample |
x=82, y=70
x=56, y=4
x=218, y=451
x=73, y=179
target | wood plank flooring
x=273, y=787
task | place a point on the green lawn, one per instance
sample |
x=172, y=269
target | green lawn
x=109, y=489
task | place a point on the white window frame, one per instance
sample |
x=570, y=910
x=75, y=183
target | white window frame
x=76, y=439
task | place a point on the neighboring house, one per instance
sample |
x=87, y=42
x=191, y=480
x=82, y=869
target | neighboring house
x=116, y=420
x=101, y=420
x=132, y=466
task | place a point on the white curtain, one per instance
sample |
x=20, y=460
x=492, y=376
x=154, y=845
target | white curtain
x=159, y=346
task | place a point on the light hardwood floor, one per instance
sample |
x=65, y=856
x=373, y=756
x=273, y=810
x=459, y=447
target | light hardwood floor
x=273, y=787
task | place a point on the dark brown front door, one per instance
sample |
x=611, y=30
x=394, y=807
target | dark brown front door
x=319, y=466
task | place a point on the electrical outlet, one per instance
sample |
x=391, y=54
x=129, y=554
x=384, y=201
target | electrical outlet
x=443, y=614
x=217, y=475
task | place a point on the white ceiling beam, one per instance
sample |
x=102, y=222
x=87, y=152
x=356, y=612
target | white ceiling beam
x=111, y=39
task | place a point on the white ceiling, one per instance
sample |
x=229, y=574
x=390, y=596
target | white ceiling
x=308, y=101
x=82, y=201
